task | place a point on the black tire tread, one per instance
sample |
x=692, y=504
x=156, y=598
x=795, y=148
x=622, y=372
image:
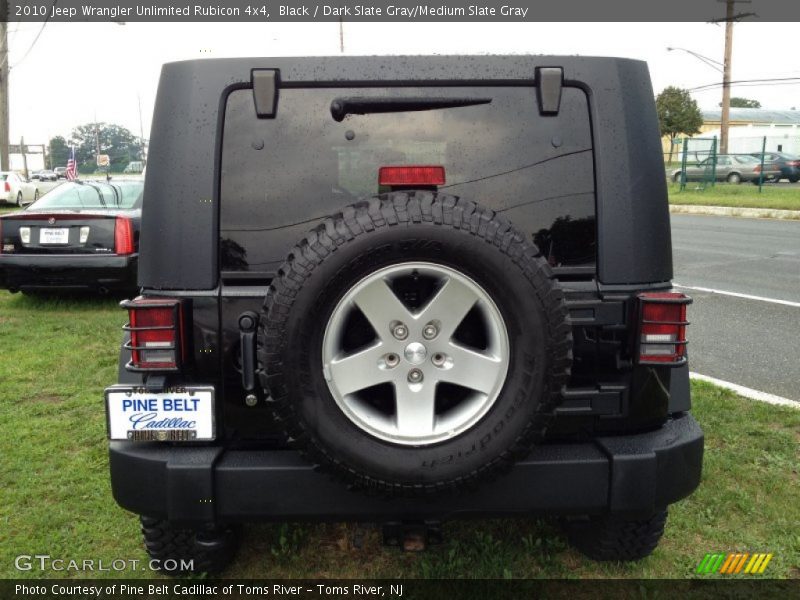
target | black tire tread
x=393, y=210
x=163, y=542
x=613, y=538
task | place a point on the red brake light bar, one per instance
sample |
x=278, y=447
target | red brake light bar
x=662, y=328
x=123, y=236
x=411, y=175
x=157, y=334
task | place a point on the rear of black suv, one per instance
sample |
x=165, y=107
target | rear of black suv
x=404, y=290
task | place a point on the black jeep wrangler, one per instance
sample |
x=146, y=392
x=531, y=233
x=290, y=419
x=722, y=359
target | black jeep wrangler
x=402, y=290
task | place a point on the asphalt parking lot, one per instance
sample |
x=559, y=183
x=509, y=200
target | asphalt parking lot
x=744, y=276
x=46, y=186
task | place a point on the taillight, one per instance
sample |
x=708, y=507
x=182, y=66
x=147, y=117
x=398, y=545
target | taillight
x=157, y=333
x=757, y=169
x=793, y=163
x=123, y=236
x=410, y=176
x=662, y=328
x=7, y=187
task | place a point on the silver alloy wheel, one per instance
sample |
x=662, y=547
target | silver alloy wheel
x=417, y=362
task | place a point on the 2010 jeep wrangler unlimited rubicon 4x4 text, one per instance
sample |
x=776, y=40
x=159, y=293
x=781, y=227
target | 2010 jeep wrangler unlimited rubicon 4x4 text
x=371, y=282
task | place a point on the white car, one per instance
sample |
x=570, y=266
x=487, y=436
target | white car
x=15, y=189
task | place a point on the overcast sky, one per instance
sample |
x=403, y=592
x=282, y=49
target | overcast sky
x=76, y=71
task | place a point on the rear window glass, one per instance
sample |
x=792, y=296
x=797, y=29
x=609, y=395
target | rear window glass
x=92, y=195
x=280, y=176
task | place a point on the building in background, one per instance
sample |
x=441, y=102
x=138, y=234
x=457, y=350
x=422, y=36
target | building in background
x=749, y=126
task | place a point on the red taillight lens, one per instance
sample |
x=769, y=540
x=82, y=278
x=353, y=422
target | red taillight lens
x=157, y=336
x=407, y=176
x=7, y=187
x=662, y=328
x=793, y=163
x=123, y=236
x=757, y=169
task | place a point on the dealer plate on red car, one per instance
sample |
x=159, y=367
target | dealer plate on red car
x=180, y=414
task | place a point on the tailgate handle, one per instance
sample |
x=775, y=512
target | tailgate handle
x=248, y=323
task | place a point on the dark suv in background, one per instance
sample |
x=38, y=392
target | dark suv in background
x=404, y=290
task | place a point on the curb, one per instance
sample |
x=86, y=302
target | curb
x=735, y=211
x=745, y=391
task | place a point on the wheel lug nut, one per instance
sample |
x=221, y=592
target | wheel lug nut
x=400, y=331
x=415, y=376
x=430, y=331
x=438, y=359
x=392, y=360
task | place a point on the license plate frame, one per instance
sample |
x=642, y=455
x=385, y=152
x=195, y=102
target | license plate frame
x=151, y=410
x=53, y=236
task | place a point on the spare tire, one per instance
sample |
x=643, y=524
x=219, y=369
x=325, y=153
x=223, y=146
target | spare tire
x=414, y=343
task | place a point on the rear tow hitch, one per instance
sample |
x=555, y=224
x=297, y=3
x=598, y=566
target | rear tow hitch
x=412, y=536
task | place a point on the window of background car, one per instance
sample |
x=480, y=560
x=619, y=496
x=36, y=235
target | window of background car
x=91, y=195
x=279, y=176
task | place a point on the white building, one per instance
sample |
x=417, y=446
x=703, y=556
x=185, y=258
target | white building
x=749, y=126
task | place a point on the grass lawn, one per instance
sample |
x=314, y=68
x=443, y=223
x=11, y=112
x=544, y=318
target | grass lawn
x=7, y=208
x=773, y=195
x=55, y=498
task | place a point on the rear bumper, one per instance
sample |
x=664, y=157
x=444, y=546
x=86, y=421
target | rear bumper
x=79, y=271
x=632, y=474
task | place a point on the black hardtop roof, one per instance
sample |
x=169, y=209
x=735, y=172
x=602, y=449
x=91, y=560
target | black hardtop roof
x=408, y=67
x=181, y=199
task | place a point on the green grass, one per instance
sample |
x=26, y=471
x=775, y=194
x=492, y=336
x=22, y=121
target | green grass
x=57, y=356
x=7, y=208
x=773, y=195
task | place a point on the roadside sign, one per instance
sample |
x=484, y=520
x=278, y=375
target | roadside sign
x=103, y=160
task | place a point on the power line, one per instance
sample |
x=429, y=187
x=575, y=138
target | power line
x=740, y=82
x=36, y=39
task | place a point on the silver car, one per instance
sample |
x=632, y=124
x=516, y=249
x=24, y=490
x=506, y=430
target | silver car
x=733, y=168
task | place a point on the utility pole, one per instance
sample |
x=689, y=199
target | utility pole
x=726, y=79
x=4, y=135
x=24, y=156
x=730, y=17
x=141, y=130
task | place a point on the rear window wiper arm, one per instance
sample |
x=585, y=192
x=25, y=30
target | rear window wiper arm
x=360, y=105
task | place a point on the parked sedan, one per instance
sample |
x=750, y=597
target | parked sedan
x=16, y=189
x=787, y=163
x=61, y=172
x=45, y=175
x=733, y=168
x=80, y=235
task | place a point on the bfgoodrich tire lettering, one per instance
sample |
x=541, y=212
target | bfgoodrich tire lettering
x=403, y=228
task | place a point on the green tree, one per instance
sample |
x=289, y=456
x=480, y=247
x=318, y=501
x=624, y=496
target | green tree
x=678, y=114
x=738, y=102
x=120, y=144
x=59, y=152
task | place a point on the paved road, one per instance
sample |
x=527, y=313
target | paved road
x=751, y=342
x=46, y=186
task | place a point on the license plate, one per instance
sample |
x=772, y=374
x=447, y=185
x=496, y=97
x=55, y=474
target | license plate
x=181, y=414
x=49, y=235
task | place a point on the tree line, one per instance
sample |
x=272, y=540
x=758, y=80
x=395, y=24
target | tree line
x=116, y=141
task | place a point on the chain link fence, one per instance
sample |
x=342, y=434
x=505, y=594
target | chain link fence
x=696, y=163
